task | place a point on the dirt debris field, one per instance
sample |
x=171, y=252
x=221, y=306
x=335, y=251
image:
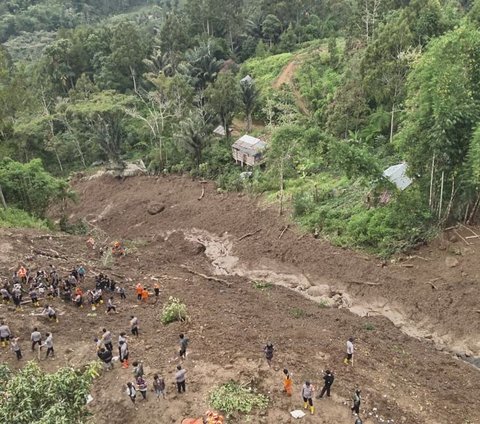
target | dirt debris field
x=415, y=320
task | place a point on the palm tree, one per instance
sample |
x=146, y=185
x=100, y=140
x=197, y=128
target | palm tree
x=249, y=98
x=193, y=135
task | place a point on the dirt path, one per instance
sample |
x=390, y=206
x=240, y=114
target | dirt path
x=286, y=77
x=403, y=379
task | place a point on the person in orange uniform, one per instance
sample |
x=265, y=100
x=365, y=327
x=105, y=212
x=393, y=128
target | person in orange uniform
x=22, y=274
x=139, y=290
x=145, y=295
x=287, y=383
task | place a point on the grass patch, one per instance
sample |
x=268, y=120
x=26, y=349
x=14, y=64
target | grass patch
x=298, y=313
x=173, y=310
x=17, y=218
x=369, y=326
x=233, y=397
x=262, y=285
x=265, y=70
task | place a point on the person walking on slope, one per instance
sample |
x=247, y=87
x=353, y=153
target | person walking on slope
x=124, y=354
x=350, y=349
x=183, y=346
x=357, y=400
x=159, y=386
x=107, y=339
x=134, y=325
x=16, y=348
x=328, y=378
x=268, y=350
x=111, y=306
x=180, y=379
x=287, y=383
x=137, y=369
x=307, y=395
x=51, y=313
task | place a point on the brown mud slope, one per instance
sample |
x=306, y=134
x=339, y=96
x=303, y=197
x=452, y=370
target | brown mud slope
x=403, y=379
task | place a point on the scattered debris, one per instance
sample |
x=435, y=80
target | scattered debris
x=249, y=234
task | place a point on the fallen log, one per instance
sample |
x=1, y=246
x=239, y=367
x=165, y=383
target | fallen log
x=283, y=232
x=55, y=255
x=207, y=277
x=366, y=283
x=203, y=189
x=249, y=234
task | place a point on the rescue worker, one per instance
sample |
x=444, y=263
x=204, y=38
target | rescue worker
x=183, y=346
x=51, y=313
x=357, y=400
x=350, y=349
x=139, y=290
x=16, y=348
x=287, y=383
x=111, y=306
x=268, y=350
x=106, y=357
x=124, y=354
x=145, y=295
x=49, y=344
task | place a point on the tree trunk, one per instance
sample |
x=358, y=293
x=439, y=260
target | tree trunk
x=281, y=188
x=441, y=196
x=391, y=123
x=431, y=182
x=2, y=199
x=249, y=122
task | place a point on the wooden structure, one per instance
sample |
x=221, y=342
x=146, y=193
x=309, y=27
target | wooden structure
x=248, y=150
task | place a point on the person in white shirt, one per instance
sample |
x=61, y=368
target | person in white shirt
x=36, y=338
x=49, y=344
x=5, y=334
x=350, y=349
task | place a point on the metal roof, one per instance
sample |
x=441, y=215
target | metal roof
x=397, y=174
x=249, y=145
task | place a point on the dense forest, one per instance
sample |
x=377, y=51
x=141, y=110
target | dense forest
x=376, y=83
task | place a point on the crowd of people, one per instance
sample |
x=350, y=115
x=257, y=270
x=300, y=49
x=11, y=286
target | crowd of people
x=45, y=285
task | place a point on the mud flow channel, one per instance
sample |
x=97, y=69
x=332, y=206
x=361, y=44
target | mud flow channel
x=219, y=251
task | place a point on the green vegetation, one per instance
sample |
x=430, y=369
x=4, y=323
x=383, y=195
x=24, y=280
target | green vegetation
x=173, y=310
x=298, y=313
x=262, y=285
x=17, y=218
x=370, y=85
x=233, y=397
x=58, y=397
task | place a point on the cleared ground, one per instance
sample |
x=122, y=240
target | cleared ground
x=407, y=371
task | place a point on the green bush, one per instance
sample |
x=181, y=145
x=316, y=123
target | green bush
x=173, y=310
x=58, y=397
x=16, y=218
x=233, y=397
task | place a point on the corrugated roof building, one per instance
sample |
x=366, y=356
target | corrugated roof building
x=248, y=150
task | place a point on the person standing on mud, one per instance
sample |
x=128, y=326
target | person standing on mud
x=124, y=354
x=142, y=387
x=328, y=378
x=137, y=369
x=122, y=337
x=183, y=346
x=107, y=339
x=159, y=386
x=131, y=392
x=106, y=357
x=49, y=345
x=5, y=334
x=307, y=395
x=350, y=349
x=287, y=383
x=111, y=306
x=36, y=338
x=268, y=350
x=134, y=325
x=357, y=400
x=180, y=379
x=16, y=348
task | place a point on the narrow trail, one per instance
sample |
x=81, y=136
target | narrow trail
x=287, y=77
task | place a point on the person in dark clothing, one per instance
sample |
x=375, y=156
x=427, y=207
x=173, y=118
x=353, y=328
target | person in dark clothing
x=268, y=350
x=106, y=357
x=358, y=421
x=328, y=377
x=183, y=346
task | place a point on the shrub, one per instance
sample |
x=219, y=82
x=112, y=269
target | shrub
x=16, y=218
x=233, y=397
x=58, y=397
x=173, y=310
